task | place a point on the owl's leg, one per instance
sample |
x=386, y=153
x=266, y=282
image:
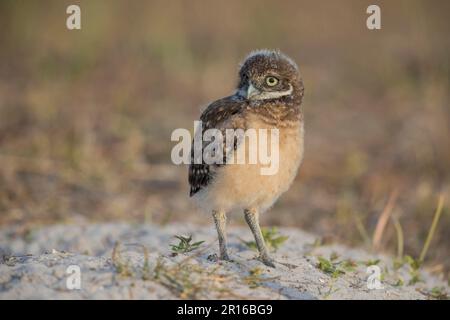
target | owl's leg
x=220, y=219
x=252, y=219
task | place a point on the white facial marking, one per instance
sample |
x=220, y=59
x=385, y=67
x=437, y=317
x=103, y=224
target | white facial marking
x=255, y=94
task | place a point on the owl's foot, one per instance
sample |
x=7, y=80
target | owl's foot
x=215, y=258
x=268, y=261
x=224, y=256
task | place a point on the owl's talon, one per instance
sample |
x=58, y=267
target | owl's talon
x=215, y=258
x=268, y=261
x=225, y=257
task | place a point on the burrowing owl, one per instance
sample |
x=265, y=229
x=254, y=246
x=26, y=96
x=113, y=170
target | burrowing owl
x=268, y=96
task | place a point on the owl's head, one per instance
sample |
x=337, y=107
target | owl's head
x=268, y=75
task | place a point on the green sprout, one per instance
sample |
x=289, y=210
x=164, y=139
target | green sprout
x=256, y=278
x=329, y=267
x=372, y=262
x=438, y=293
x=184, y=245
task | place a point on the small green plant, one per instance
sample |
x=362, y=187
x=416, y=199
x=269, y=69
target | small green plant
x=159, y=267
x=272, y=238
x=398, y=263
x=146, y=266
x=318, y=242
x=414, y=264
x=414, y=268
x=255, y=278
x=190, y=281
x=330, y=291
x=349, y=265
x=122, y=268
x=400, y=282
x=332, y=268
x=372, y=262
x=415, y=277
x=438, y=293
x=334, y=256
x=184, y=245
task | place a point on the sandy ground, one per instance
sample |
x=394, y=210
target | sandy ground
x=123, y=261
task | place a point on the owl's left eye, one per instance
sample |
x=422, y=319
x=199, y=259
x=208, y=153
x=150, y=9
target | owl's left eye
x=271, y=81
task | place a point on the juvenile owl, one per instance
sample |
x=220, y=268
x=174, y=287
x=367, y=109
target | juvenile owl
x=268, y=96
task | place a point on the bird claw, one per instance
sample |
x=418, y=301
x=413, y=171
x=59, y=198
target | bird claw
x=268, y=261
x=225, y=257
x=215, y=258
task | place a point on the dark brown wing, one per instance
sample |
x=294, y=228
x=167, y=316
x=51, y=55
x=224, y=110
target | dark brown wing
x=218, y=112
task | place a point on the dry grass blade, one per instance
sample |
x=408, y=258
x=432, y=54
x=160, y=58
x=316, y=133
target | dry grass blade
x=384, y=218
x=362, y=230
x=434, y=224
x=400, y=237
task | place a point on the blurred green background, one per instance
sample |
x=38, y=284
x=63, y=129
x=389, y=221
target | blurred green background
x=86, y=116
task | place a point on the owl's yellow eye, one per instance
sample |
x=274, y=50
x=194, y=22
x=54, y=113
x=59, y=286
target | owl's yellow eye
x=271, y=81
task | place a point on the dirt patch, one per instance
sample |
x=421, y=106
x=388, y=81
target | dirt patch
x=122, y=261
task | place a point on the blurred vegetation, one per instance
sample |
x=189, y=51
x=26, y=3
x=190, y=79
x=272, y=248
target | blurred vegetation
x=86, y=116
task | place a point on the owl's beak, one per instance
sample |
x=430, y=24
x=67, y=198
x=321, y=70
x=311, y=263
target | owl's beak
x=252, y=91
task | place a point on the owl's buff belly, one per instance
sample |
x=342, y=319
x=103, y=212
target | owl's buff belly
x=242, y=186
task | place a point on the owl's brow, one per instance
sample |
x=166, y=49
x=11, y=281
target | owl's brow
x=273, y=73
